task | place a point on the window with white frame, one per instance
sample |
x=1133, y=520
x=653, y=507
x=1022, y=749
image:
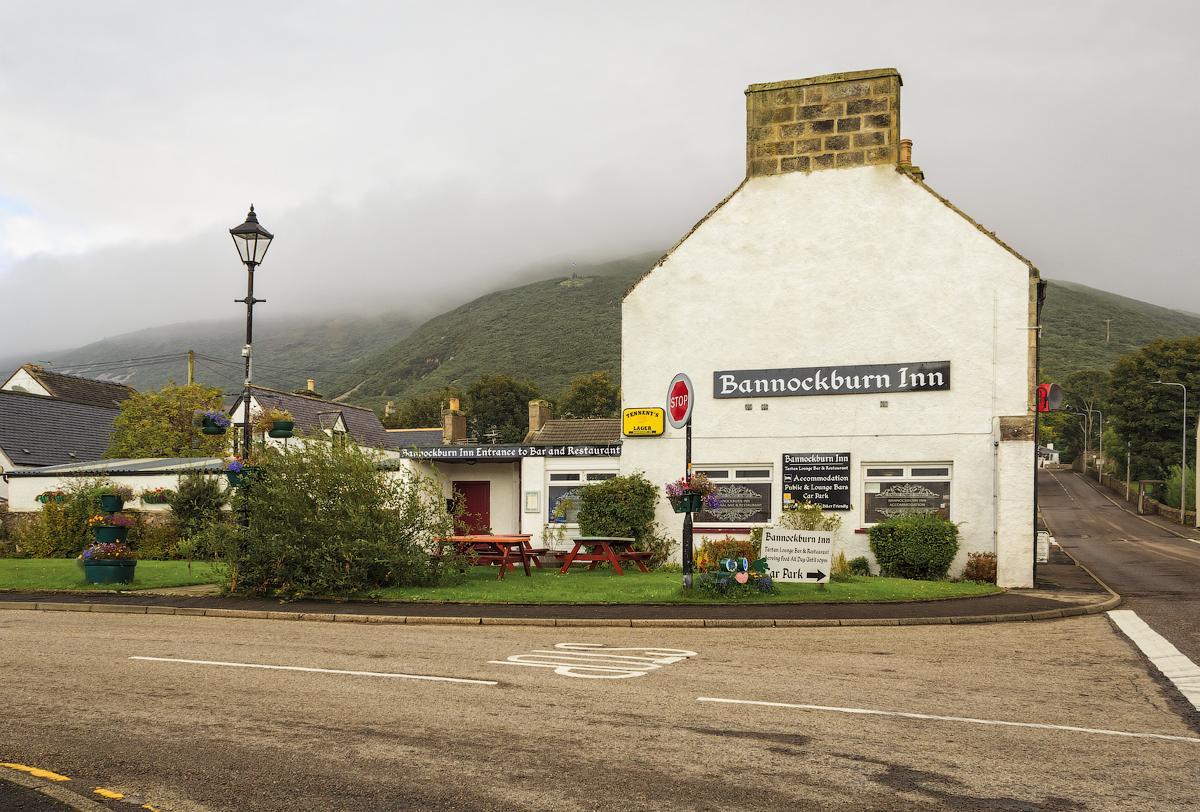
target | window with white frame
x=562, y=489
x=745, y=494
x=897, y=489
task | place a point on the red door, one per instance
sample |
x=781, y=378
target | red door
x=477, y=506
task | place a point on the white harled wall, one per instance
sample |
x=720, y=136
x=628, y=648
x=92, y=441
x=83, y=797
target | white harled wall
x=854, y=266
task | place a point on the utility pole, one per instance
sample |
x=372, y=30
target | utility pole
x=1129, y=468
x=191, y=367
x=1107, y=322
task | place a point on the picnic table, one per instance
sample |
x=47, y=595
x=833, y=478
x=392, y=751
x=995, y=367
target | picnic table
x=613, y=549
x=507, y=551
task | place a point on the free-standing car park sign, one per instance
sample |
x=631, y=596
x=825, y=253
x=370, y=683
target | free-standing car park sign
x=798, y=556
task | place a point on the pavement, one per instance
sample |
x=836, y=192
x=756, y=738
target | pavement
x=1154, y=565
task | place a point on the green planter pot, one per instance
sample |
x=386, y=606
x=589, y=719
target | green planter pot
x=106, y=534
x=110, y=571
x=688, y=503
x=236, y=478
x=111, y=504
x=56, y=499
x=282, y=429
x=207, y=426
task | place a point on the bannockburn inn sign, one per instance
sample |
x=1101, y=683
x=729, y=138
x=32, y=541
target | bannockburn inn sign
x=857, y=379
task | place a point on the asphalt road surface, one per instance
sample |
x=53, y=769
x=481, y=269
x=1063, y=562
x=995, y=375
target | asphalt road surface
x=1154, y=570
x=200, y=735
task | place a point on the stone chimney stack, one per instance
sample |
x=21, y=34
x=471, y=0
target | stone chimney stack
x=311, y=385
x=826, y=122
x=454, y=424
x=539, y=413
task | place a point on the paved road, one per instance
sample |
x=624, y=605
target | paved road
x=192, y=736
x=1156, y=572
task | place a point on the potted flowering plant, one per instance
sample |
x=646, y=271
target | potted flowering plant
x=235, y=471
x=58, y=495
x=108, y=563
x=214, y=421
x=689, y=494
x=113, y=527
x=114, y=497
x=277, y=423
x=157, y=496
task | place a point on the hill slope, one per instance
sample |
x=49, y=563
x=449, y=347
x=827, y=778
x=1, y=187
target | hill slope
x=1073, y=327
x=546, y=332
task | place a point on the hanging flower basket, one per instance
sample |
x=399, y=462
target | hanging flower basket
x=110, y=503
x=281, y=429
x=686, y=503
x=157, y=496
x=52, y=497
x=214, y=422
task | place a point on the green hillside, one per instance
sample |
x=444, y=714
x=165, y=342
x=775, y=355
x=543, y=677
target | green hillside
x=1073, y=327
x=546, y=332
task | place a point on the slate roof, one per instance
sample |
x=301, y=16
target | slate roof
x=88, y=391
x=313, y=415
x=145, y=465
x=588, y=431
x=415, y=438
x=36, y=430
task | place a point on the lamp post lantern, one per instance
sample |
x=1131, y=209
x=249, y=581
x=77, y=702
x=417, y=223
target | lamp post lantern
x=252, y=242
x=1183, y=458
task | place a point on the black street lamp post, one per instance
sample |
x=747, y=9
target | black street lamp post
x=252, y=241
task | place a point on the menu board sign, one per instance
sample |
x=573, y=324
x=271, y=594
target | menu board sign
x=887, y=500
x=740, y=502
x=820, y=478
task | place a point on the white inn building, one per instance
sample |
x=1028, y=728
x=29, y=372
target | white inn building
x=854, y=338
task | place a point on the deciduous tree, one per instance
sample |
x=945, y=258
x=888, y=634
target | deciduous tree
x=593, y=395
x=162, y=424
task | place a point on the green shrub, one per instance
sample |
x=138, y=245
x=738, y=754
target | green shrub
x=713, y=551
x=808, y=516
x=60, y=529
x=1172, y=485
x=980, y=567
x=915, y=546
x=326, y=520
x=154, y=536
x=860, y=566
x=839, y=570
x=659, y=544
x=622, y=506
x=196, y=503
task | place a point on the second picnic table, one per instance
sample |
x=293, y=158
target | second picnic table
x=613, y=549
x=507, y=551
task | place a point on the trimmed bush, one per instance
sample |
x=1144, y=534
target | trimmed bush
x=980, y=567
x=860, y=566
x=915, y=546
x=622, y=506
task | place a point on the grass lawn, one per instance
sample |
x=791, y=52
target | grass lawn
x=604, y=586
x=64, y=573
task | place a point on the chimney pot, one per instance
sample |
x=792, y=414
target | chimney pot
x=539, y=413
x=311, y=385
x=906, y=152
x=454, y=424
x=454, y=404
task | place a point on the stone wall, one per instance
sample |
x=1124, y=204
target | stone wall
x=826, y=122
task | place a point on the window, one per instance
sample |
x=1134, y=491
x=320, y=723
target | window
x=891, y=490
x=745, y=494
x=563, y=489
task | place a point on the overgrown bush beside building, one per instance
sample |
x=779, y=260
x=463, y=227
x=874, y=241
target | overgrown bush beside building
x=196, y=503
x=980, y=567
x=915, y=546
x=326, y=520
x=60, y=528
x=624, y=506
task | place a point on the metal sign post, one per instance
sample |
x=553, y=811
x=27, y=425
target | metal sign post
x=681, y=396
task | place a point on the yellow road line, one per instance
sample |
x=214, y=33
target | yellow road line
x=108, y=793
x=36, y=772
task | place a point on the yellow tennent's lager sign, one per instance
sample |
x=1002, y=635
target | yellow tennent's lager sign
x=647, y=422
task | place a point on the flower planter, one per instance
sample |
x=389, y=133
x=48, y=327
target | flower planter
x=687, y=503
x=52, y=498
x=282, y=429
x=208, y=426
x=236, y=478
x=109, y=571
x=111, y=504
x=105, y=534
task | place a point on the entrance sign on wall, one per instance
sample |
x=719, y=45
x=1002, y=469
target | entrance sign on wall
x=823, y=479
x=857, y=379
x=680, y=398
x=643, y=422
x=887, y=500
x=798, y=556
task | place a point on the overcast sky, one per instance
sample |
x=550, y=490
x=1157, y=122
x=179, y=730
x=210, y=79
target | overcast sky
x=408, y=155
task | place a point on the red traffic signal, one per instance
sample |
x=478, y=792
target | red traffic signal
x=1050, y=397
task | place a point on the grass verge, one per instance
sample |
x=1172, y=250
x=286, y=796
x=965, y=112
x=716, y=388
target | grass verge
x=64, y=573
x=602, y=586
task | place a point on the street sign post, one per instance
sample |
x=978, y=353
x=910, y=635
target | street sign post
x=798, y=556
x=681, y=396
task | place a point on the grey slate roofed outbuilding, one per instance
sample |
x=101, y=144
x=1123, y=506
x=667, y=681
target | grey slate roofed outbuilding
x=88, y=391
x=314, y=415
x=588, y=431
x=37, y=430
x=415, y=438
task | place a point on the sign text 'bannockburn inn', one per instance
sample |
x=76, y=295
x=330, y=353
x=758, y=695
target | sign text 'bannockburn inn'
x=856, y=379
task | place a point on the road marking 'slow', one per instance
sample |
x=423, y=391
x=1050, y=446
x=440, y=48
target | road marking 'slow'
x=36, y=772
x=1174, y=664
x=935, y=718
x=320, y=670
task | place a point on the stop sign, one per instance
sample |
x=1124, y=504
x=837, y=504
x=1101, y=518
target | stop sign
x=680, y=396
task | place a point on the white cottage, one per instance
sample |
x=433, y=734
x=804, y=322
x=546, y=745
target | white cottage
x=854, y=339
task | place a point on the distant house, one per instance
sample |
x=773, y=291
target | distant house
x=36, y=380
x=315, y=417
x=38, y=431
